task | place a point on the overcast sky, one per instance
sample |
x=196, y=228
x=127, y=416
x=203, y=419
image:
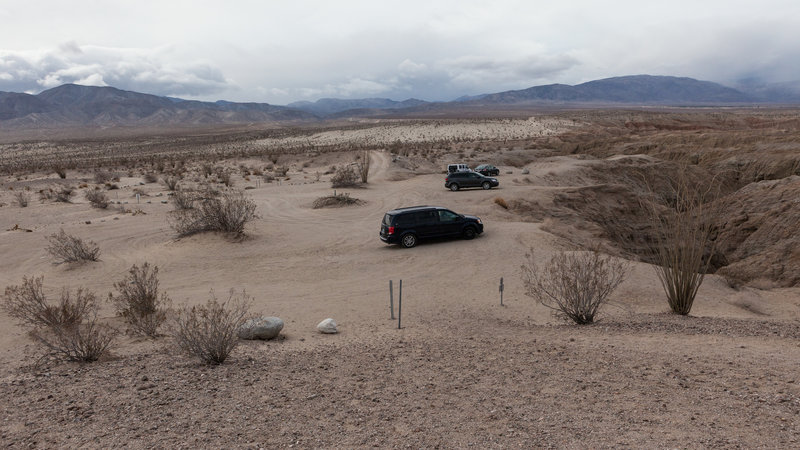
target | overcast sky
x=283, y=51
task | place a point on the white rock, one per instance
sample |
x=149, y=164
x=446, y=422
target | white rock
x=525, y=171
x=261, y=328
x=327, y=326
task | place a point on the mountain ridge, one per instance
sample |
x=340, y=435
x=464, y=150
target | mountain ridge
x=75, y=105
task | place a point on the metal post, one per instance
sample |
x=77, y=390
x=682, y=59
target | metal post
x=400, y=305
x=501, y=291
x=391, y=301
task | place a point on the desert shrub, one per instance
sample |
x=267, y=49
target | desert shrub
x=66, y=248
x=683, y=239
x=28, y=304
x=60, y=194
x=268, y=178
x=102, y=177
x=281, y=171
x=363, y=166
x=210, y=331
x=171, y=182
x=184, y=199
x=574, y=285
x=224, y=177
x=228, y=212
x=501, y=202
x=336, y=200
x=62, y=172
x=138, y=302
x=22, y=198
x=345, y=176
x=68, y=330
x=83, y=342
x=150, y=177
x=98, y=199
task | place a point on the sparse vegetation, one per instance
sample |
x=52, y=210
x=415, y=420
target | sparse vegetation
x=336, y=200
x=345, y=176
x=683, y=240
x=68, y=330
x=209, y=332
x=183, y=199
x=22, y=198
x=574, y=285
x=97, y=198
x=171, y=182
x=501, y=202
x=66, y=248
x=137, y=300
x=363, y=166
x=227, y=212
x=28, y=304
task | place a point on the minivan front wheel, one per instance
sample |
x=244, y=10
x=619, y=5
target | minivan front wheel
x=469, y=233
x=409, y=240
x=453, y=187
x=486, y=185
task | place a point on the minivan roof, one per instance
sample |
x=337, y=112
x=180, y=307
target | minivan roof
x=413, y=208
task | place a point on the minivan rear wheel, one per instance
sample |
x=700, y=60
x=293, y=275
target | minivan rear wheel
x=453, y=187
x=409, y=240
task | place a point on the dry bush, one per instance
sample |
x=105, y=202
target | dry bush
x=83, y=342
x=98, y=199
x=62, y=172
x=228, y=212
x=210, y=331
x=336, y=200
x=66, y=248
x=345, y=176
x=28, y=304
x=138, y=301
x=501, y=202
x=170, y=182
x=683, y=240
x=184, y=199
x=60, y=194
x=363, y=166
x=574, y=285
x=22, y=198
x=150, y=177
x=102, y=177
x=69, y=330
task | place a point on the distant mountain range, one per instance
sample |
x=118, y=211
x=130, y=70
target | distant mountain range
x=74, y=105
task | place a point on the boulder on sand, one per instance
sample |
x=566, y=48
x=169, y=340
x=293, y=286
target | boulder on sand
x=261, y=328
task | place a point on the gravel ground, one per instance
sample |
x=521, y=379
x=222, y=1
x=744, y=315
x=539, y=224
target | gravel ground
x=650, y=380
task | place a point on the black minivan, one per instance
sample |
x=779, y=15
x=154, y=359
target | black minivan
x=406, y=226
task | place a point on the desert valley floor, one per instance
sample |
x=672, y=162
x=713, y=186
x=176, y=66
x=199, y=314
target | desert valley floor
x=463, y=371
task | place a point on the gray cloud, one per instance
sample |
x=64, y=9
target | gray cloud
x=142, y=70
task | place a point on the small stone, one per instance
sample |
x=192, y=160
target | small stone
x=525, y=171
x=328, y=326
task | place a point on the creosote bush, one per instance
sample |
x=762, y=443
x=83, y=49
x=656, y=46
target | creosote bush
x=22, y=198
x=574, y=285
x=336, y=200
x=182, y=199
x=28, y=304
x=97, y=198
x=66, y=248
x=68, y=330
x=363, y=166
x=137, y=300
x=345, y=176
x=210, y=331
x=227, y=212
